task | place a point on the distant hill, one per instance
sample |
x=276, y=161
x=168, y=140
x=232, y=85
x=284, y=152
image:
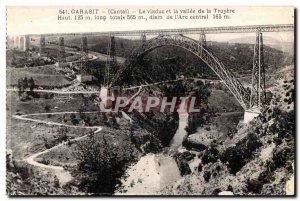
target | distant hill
x=100, y=44
x=169, y=62
x=287, y=47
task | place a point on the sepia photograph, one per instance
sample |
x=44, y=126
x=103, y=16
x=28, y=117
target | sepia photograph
x=150, y=101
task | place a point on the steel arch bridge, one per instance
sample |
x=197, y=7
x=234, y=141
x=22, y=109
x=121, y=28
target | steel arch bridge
x=252, y=100
x=193, y=46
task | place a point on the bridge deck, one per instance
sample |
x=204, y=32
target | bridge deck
x=207, y=30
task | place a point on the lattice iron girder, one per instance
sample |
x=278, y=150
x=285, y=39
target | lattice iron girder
x=202, y=39
x=83, y=55
x=112, y=48
x=61, y=50
x=206, y=30
x=143, y=38
x=42, y=44
x=192, y=46
x=110, y=58
x=258, y=93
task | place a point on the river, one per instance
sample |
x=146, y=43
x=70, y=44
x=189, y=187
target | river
x=181, y=133
x=154, y=171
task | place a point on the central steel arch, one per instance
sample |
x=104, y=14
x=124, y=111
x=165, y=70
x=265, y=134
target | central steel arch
x=193, y=46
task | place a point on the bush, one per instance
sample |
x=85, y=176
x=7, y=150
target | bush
x=100, y=165
x=237, y=156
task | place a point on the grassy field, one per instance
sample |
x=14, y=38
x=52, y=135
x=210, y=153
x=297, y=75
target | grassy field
x=43, y=76
x=65, y=155
x=37, y=105
x=221, y=101
x=25, y=138
x=87, y=119
x=227, y=121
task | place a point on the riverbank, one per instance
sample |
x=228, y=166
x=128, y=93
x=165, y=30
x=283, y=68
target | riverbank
x=154, y=171
x=149, y=175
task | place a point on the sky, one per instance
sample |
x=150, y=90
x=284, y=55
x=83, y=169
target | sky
x=41, y=20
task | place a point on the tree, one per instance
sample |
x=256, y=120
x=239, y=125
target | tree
x=62, y=133
x=100, y=165
x=25, y=83
x=47, y=108
x=31, y=84
x=73, y=119
x=20, y=88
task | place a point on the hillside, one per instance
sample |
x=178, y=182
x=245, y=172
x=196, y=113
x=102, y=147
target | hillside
x=176, y=61
x=287, y=47
x=257, y=160
x=235, y=54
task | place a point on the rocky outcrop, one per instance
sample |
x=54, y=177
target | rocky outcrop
x=236, y=157
x=182, y=162
x=194, y=145
x=160, y=129
x=257, y=160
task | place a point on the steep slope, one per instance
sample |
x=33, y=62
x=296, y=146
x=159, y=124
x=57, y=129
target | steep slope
x=257, y=160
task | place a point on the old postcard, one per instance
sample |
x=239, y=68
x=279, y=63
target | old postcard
x=155, y=101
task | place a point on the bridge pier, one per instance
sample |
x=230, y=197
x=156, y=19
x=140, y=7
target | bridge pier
x=258, y=89
x=16, y=42
x=112, y=92
x=26, y=43
x=143, y=39
x=202, y=39
x=110, y=59
x=61, y=53
x=42, y=44
x=83, y=56
x=251, y=114
x=9, y=42
x=21, y=42
x=112, y=51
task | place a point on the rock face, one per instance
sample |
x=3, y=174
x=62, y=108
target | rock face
x=182, y=162
x=203, y=138
x=160, y=128
x=256, y=160
x=191, y=144
x=236, y=157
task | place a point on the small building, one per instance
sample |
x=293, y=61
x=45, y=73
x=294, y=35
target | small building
x=62, y=64
x=85, y=78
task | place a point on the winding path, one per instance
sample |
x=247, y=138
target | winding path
x=63, y=175
x=25, y=118
x=97, y=92
x=31, y=159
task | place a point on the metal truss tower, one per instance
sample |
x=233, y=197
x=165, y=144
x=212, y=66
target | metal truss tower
x=112, y=49
x=110, y=59
x=26, y=42
x=42, y=44
x=202, y=39
x=258, y=92
x=61, y=51
x=143, y=39
x=83, y=55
